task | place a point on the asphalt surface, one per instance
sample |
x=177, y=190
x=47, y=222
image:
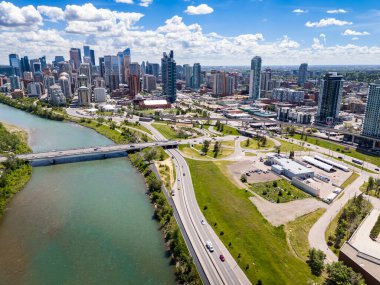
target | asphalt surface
x=217, y=272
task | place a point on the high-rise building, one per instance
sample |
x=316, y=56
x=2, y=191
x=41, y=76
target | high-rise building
x=84, y=96
x=196, y=82
x=83, y=81
x=24, y=64
x=14, y=61
x=302, y=74
x=100, y=95
x=15, y=82
x=111, y=69
x=34, y=89
x=154, y=69
x=85, y=68
x=75, y=57
x=101, y=66
x=56, y=96
x=120, y=58
x=43, y=62
x=86, y=51
x=266, y=77
x=134, y=87
x=126, y=65
x=64, y=82
x=169, y=76
x=371, y=124
x=330, y=98
x=187, y=73
x=92, y=56
x=288, y=95
x=149, y=82
x=255, y=78
x=58, y=59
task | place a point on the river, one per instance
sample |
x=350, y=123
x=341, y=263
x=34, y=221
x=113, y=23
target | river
x=80, y=223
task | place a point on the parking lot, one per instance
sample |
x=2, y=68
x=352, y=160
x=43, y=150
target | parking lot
x=255, y=170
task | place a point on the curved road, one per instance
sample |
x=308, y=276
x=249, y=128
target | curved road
x=217, y=272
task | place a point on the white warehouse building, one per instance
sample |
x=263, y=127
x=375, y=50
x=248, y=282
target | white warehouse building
x=288, y=167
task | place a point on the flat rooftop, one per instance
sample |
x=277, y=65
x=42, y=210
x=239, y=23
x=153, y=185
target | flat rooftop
x=293, y=166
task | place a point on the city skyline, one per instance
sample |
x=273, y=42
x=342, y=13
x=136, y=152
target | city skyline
x=341, y=32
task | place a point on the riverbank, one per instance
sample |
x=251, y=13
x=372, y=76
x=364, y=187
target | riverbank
x=185, y=269
x=14, y=173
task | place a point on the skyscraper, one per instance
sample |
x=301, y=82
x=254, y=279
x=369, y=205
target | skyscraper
x=101, y=66
x=86, y=51
x=111, y=72
x=64, y=82
x=126, y=65
x=85, y=68
x=371, y=124
x=56, y=97
x=75, y=57
x=302, y=74
x=169, y=76
x=188, y=73
x=196, y=82
x=24, y=64
x=43, y=62
x=330, y=98
x=255, y=78
x=92, y=56
x=266, y=77
x=14, y=61
x=15, y=82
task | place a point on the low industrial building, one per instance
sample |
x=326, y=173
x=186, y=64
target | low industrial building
x=288, y=167
x=317, y=163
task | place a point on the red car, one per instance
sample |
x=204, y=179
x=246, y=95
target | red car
x=222, y=257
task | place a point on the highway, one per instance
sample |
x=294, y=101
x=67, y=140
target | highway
x=217, y=272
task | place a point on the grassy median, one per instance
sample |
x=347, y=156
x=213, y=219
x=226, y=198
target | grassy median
x=260, y=249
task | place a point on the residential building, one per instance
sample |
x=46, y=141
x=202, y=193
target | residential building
x=188, y=73
x=64, y=82
x=330, y=98
x=149, y=82
x=255, y=78
x=111, y=71
x=56, y=97
x=169, y=76
x=100, y=95
x=302, y=74
x=288, y=95
x=371, y=124
x=196, y=82
x=84, y=96
x=34, y=89
x=15, y=82
x=75, y=58
x=14, y=61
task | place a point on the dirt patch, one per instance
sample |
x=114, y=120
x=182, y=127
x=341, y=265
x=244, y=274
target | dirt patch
x=166, y=167
x=280, y=214
x=247, y=166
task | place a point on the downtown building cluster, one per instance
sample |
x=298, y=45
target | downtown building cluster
x=81, y=81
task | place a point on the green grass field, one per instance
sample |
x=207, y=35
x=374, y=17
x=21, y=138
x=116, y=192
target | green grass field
x=298, y=231
x=165, y=130
x=339, y=148
x=186, y=149
x=228, y=130
x=350, y=180
x=284, y=192
x=140, y=127
x=253, y=144
x=245, y=231
x=288, y=146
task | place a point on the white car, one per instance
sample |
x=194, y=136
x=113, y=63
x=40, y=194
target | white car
x=203, y=222
x=209, y=246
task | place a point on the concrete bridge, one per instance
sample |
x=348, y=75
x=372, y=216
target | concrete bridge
x=86, y=154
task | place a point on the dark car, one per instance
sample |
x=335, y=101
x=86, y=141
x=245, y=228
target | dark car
x=222, y=258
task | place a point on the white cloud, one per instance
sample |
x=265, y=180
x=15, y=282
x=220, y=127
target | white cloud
x=288, y=43
x=355, y=38
x=299, y=11
x=201, y=9
x=323, y=38
x=13, y=16
x=327, y=22
x=317, y=44
x=337, y=11
x=350, y=32
x=145, y=3
x=53, y=13
x=124, y=1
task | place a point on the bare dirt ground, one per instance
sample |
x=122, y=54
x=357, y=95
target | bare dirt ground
x=279, y=214
x=238, y=168
x=168, y=162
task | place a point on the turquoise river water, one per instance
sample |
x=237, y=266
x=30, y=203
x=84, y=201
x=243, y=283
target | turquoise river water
x=79, y=223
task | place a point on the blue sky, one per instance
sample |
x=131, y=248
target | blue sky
x=212, y=32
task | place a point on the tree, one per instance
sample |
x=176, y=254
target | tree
x=216, y=149
x=150, y=155
x=247, y=142
x=206, y=146
x=243, y=178
x=315, y=260
x=371, y=184
x=278, y=148
x=340, y=274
